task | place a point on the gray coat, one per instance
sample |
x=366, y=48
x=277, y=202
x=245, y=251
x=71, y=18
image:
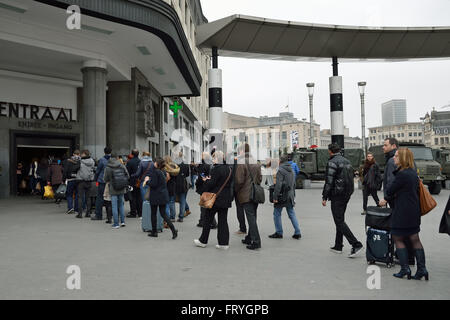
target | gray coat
x=114, y=164
x=285, y=174
x=86, y=172
x=389, y=176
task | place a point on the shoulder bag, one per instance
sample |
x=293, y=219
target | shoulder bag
x=207, y=199
x=138, y=181
x=257, y=194
x=427, y=203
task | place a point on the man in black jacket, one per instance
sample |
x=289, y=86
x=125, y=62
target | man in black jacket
x=181, y=186
x=339, y=186
x=71, y=167
x=204, y=171
x=135, y=201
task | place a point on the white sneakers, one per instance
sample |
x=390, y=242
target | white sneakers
x=116, y=227
x=222, y=247
x=199, y=244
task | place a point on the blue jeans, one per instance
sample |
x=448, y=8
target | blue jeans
x=170, y=208
x=193, y=180
x=117, y=207
x=72, y=187
x=99, y=200
x=183, y=204
x=277, y=219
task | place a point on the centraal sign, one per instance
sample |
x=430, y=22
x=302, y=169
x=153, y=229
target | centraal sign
x=33, y=112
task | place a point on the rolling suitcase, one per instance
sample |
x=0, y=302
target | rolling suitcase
x=147, y=218
x=379, y=247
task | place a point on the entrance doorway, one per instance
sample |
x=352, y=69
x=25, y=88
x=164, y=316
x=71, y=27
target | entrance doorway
x=44, y=148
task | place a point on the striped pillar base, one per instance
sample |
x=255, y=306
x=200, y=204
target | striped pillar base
x=337, y=111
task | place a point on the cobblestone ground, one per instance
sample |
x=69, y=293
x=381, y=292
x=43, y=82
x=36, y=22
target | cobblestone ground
x=38, y=241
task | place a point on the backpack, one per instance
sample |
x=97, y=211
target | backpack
x=119, y=179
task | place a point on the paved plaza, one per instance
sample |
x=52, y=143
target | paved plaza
x=38, y=241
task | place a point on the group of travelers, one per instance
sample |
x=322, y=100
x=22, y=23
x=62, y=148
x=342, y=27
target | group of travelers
x=157, y=184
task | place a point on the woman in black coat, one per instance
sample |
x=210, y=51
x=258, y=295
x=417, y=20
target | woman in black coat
x=159, y=197
x=371, y=181
x=406, y=214
x=220, y=173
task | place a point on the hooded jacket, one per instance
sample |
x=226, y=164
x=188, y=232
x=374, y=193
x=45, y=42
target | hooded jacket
x=285, y=175
x=101, y=168
x=71, y=167
x=173, y=169
x=114, y=164
x=86, y=172
x=335, y=183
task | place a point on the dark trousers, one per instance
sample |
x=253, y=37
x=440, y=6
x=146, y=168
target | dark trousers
x=223, y=233
x=253, y=233
x=366, y=193
x=240, y=216
x=108, y=205
x=84, y=189
x=202, y=218
x=136, y=202
x=338, y=208
x=406, y=240
x=99, y=200
x=162, y=212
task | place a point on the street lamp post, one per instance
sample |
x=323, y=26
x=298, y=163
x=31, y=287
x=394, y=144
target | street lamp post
x=362, y=86
x=310, y=87
x=304, y=132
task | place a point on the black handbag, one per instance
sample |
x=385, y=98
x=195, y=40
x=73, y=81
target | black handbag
x=282, y=196
x=257, y=194
x=379, y=218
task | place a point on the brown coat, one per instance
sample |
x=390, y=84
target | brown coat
x=242, y=182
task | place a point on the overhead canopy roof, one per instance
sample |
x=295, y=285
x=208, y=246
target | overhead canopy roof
x=253, y=37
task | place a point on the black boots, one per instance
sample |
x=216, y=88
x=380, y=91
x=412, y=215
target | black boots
x=405, y=270
x=421, y=270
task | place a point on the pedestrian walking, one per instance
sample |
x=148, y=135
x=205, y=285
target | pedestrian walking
x=71, y=167
x=117, y=176
x=85, y=177
x=173, y=170
x=247, y=170
x=42, y=173
x=34, y=177
x=372, y=180
x=295, y=167
x=406, y=215
x=99, y=178
x=204, y=170
x=338, y=188
x=55, y=174
x=390, y=147
x=108, y=204
x=159, y=197
x=193, y=173
x=284, y=197
x=20, y=179
x=135, y=199
x=181, y=185
x=218, y=183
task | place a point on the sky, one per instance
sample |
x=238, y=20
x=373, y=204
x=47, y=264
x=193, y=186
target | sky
x=262, y=87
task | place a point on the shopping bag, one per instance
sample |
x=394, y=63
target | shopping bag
x=48, y=192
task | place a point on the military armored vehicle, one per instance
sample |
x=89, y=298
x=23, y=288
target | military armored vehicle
x=313, y=162
x=428, y=169
x=443, y=157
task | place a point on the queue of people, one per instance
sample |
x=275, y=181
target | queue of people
x=164, y=182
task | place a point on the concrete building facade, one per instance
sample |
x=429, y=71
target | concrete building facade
x=405, y=132
x=104, y=75
x=394, y=112
x=437, y=129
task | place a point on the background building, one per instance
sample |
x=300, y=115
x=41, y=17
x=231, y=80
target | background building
x=437, y=129
x=405, y=132
x=349, y=142
x=394, y=112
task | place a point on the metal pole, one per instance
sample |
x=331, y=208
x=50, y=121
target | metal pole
x=363, y=125
x=311, y=139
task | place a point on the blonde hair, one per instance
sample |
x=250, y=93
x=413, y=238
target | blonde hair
x=167, y=159
x=405, y=158
x=219, y=156
x=146, y=154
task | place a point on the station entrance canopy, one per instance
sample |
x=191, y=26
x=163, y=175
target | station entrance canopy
x=259, y=38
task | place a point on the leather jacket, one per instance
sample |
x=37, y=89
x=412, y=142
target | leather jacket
x=334, y=187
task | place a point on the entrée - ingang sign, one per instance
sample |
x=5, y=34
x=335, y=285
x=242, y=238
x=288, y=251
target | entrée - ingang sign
x=33, y=112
